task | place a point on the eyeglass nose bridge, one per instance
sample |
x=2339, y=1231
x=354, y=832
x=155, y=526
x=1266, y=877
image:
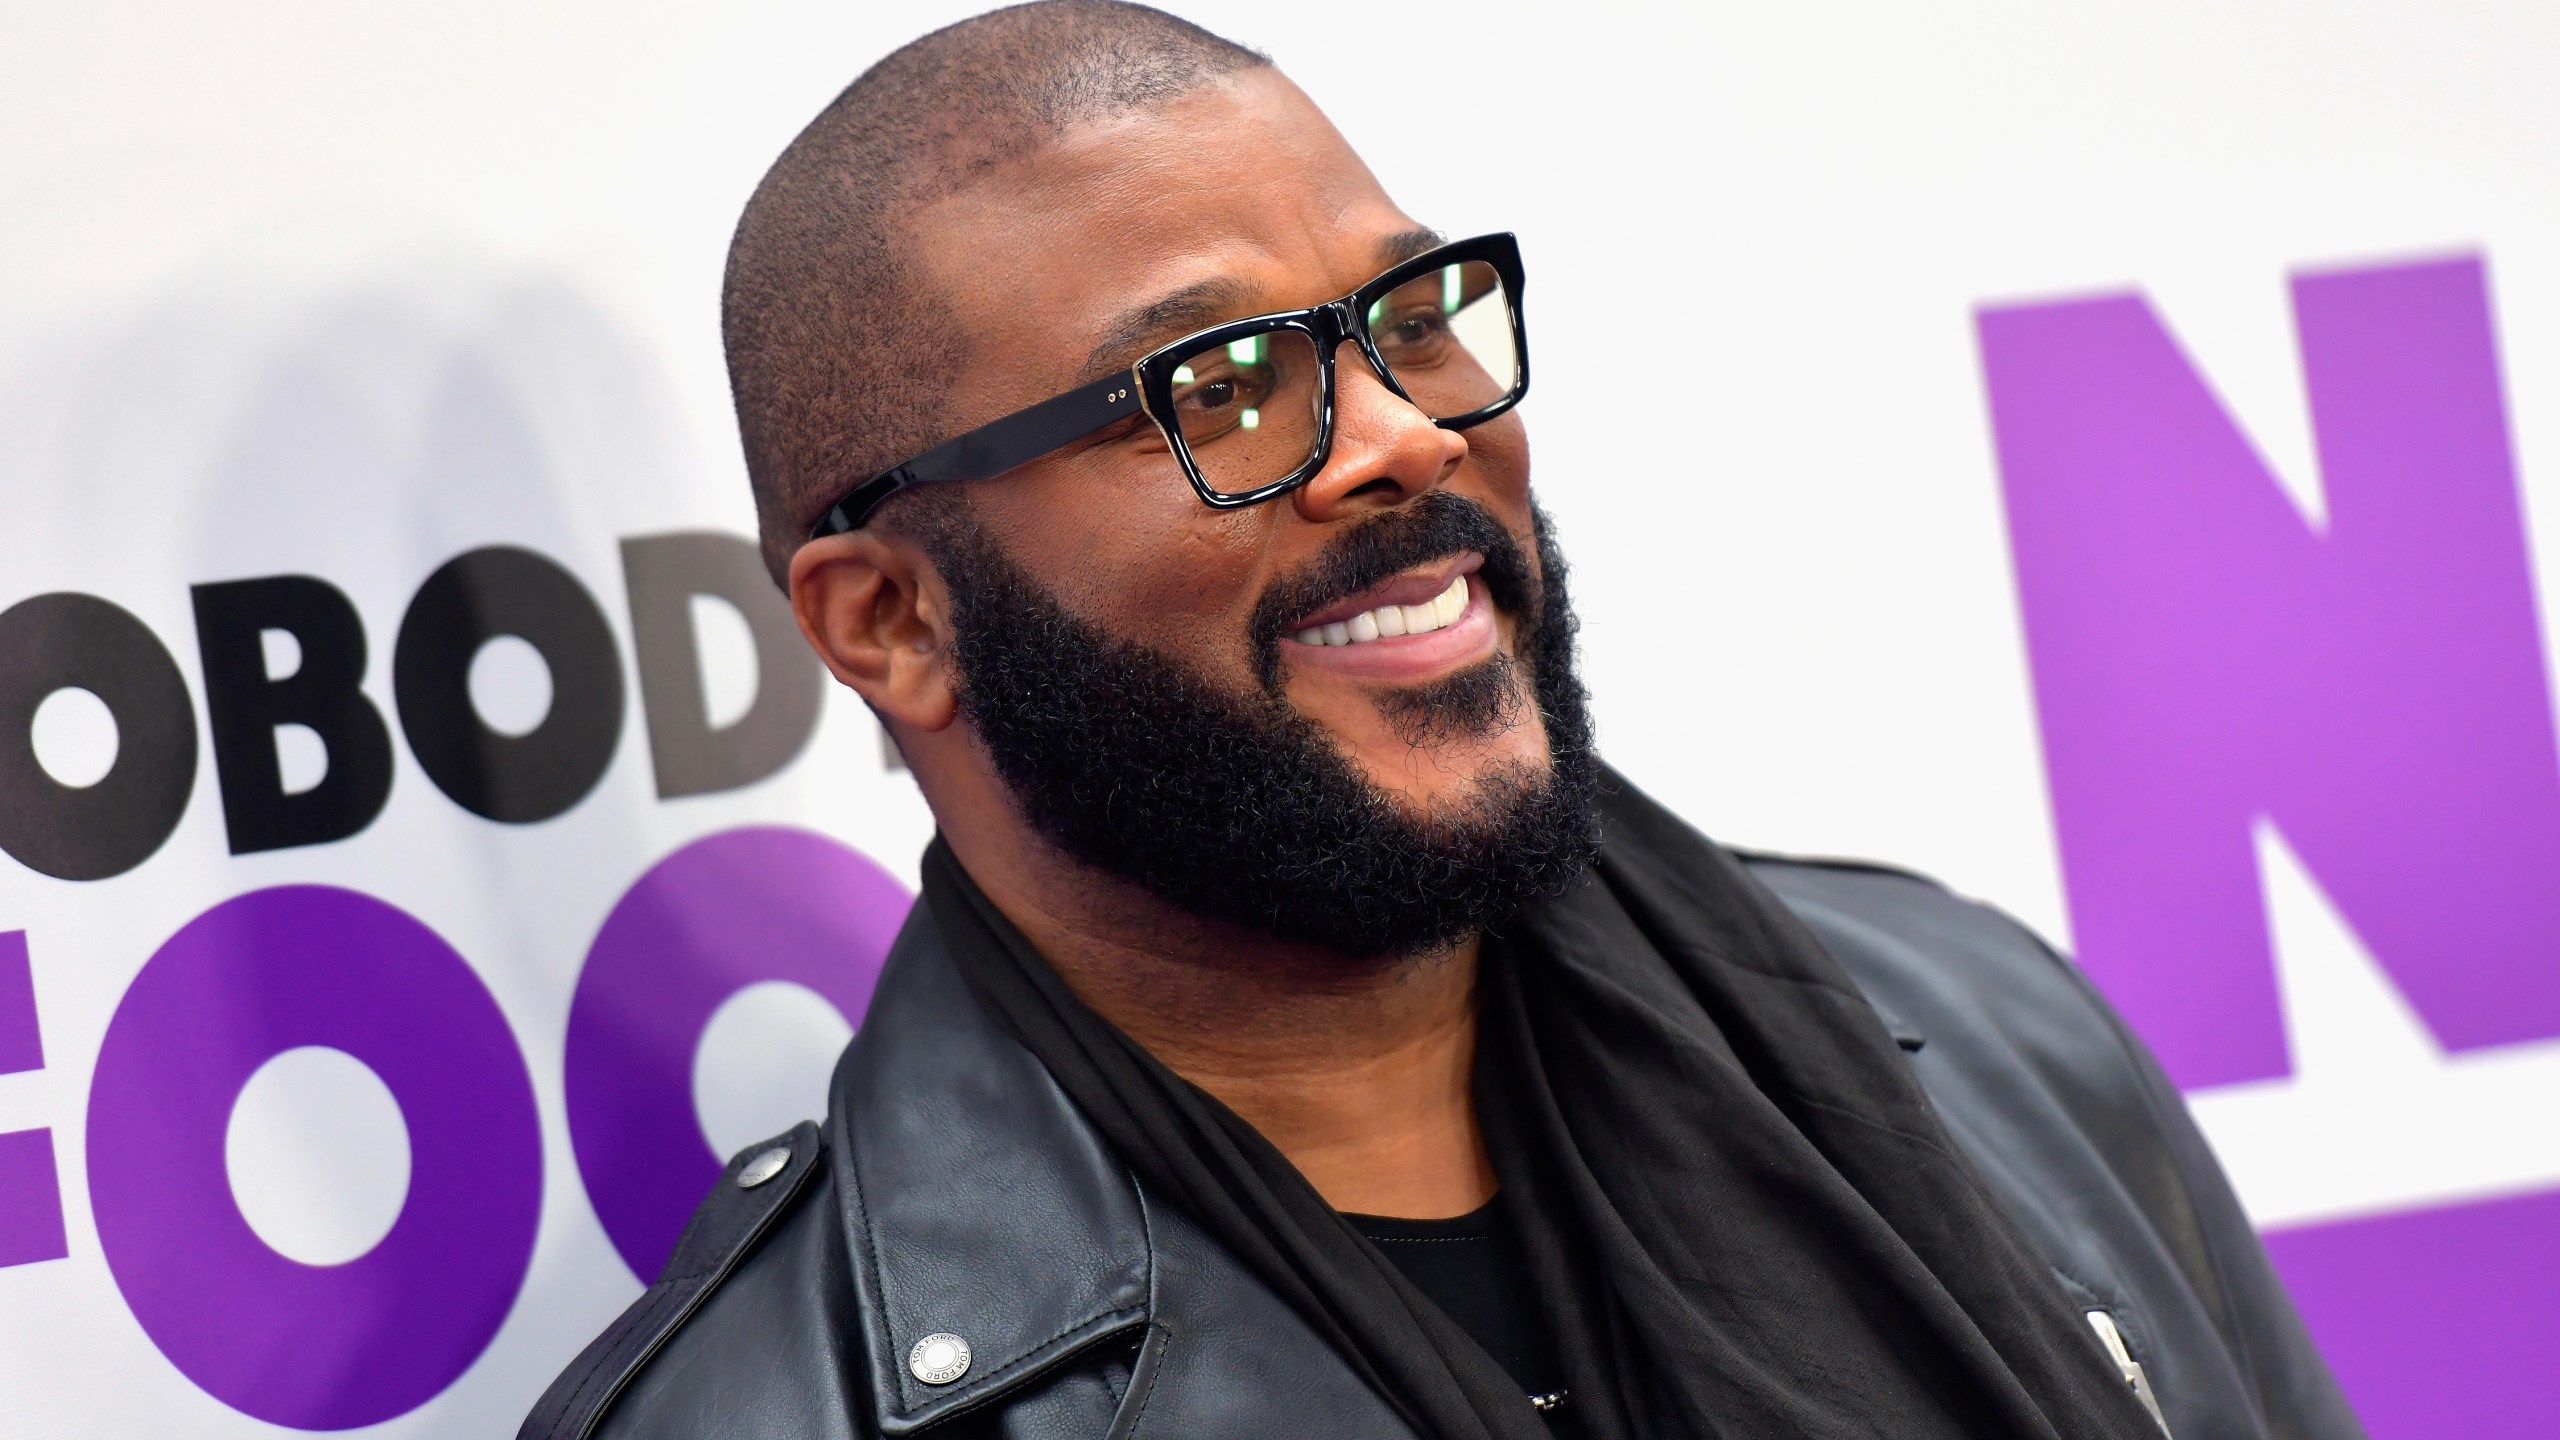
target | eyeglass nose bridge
x=1333, y=325
x=1343, y=319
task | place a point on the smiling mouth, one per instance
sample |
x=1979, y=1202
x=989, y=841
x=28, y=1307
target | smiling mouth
x=1417, y=603
x=1385, y=622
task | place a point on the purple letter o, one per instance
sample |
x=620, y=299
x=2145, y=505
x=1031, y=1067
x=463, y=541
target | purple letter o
x=725, y=912
x=315, y=1347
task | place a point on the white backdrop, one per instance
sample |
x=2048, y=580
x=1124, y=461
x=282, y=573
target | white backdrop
x=349, y=291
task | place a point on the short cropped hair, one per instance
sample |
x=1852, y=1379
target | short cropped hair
x=839, y=357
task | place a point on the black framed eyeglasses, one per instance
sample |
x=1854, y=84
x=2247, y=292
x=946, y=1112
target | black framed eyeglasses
x=1247, y=406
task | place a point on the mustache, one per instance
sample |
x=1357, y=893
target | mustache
x=1431, y=527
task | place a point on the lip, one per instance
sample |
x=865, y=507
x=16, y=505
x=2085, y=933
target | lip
x=1406, y=659
x=1410, y=588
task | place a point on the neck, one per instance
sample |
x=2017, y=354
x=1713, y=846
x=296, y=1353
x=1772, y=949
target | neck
x=1357, y=1070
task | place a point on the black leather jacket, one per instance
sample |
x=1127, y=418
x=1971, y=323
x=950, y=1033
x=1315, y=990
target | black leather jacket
x=954, y=1191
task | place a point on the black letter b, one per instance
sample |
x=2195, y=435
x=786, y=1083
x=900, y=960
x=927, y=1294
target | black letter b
x=245, y=707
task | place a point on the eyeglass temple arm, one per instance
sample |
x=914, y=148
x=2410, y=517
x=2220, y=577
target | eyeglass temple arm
x=992, y=448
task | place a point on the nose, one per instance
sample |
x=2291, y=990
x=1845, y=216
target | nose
x=1385, y=452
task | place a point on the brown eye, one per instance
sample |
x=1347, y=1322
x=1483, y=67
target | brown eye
x=1197, y=392
x=1412, y=333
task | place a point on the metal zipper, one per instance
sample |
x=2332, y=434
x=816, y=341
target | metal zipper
x=2109, y=1336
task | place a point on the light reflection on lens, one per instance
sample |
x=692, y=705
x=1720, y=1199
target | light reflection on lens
x=1251, y=419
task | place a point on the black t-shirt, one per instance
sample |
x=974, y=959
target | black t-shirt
x=1474, y=1269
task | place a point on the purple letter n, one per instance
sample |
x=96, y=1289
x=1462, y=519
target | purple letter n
x=2204, y=656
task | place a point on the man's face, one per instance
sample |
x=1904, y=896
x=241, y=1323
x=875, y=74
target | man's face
x=1234, y=200
x=1129, y=657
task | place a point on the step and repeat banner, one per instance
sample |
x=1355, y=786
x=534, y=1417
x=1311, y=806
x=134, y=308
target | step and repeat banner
x=2109, y=459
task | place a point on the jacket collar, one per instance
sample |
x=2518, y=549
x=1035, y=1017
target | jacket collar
x=951, y=1141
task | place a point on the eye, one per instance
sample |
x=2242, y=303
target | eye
x=1414, y=330
x=1217, y=389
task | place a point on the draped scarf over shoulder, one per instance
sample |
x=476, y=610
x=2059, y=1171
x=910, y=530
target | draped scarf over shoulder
x=1743, y=1218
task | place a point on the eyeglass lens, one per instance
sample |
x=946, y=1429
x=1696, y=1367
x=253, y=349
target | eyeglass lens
x=1446, y=337
x=1248, y=409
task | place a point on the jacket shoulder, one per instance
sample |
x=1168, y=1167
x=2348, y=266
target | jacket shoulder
x=2020, y=1053
x=710, y=1316
x=2071, y=1123
x=1923, y=953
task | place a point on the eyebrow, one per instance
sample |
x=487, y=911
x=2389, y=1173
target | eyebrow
x=1192, y=307
x=1204, y=303
x=1398, y=248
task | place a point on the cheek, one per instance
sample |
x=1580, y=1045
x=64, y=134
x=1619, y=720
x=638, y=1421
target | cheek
x=1133, y=551
x=1499, y=449
x=1187, y=590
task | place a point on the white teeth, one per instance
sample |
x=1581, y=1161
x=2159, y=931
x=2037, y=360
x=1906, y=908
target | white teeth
x=1437, y=613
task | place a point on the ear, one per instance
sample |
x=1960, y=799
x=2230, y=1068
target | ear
x=878, y=615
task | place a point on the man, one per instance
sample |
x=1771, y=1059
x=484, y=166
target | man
x=1300, y=1031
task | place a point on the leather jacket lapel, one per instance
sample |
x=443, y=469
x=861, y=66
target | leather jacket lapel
x=950, y=1134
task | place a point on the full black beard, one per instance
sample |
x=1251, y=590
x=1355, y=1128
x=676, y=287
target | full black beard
x=1232, y=805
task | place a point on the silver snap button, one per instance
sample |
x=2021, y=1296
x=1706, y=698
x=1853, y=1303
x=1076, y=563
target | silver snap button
x=939, y=1359
x=763, y=1167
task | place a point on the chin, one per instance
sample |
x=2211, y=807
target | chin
x=1425, y=779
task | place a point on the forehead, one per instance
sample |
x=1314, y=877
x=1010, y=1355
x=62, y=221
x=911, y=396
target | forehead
x=1239, y=197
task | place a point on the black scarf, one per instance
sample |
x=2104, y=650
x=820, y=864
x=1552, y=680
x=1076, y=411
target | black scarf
x=1743, y=1218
